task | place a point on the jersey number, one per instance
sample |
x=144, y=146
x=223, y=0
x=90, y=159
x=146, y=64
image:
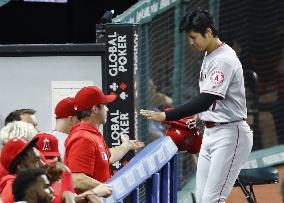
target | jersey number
x=214, y=105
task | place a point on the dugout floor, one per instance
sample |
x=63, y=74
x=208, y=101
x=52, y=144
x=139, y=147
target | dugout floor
x=264, y=193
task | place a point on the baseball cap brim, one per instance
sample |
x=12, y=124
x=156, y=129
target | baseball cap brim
x=109, y=98
x=33, y=141
x=47, y=161
x=50, y=153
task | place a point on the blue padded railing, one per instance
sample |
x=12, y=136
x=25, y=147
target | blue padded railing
x=156, y=166
x=161, y=186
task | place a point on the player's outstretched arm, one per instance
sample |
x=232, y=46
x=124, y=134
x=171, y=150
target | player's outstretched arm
x=153, y=115
x=199, y=104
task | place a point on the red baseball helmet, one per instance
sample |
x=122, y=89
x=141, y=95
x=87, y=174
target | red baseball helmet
x=186, y=137
x=192, y=141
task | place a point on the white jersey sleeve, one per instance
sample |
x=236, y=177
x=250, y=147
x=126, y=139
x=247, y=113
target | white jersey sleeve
x=217, y=79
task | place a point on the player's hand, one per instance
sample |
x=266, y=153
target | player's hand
x=103, y=190
x=196, y=117
x=153, y=115
x=131, y=144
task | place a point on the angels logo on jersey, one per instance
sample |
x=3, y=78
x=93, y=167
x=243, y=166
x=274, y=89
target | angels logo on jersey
x=217, y=77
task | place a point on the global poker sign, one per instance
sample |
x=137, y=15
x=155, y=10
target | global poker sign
x=119, y=79
x=117, y=53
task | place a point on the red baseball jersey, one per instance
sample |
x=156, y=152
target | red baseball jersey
x=86, y=152
x=6, y=188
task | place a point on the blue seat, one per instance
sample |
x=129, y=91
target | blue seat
x=256, y=176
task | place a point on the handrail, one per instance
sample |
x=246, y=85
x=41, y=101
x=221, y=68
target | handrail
x=156, y=167
x=161, y=186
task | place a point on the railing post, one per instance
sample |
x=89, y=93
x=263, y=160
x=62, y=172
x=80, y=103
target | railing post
x=174, y=178
x=165, y=190
x=135, y=195
x=153, y=189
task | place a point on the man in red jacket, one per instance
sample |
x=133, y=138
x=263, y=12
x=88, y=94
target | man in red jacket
x=86, y=153
x=47, y=144
x=32, y=186
x=65, y=119
x=17, y=154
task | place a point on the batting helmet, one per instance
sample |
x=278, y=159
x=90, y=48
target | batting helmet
x=185, y=136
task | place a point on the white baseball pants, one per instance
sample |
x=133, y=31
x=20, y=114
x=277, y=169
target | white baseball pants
x=224, y=150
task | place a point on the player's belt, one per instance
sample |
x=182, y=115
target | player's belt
x=210, y=124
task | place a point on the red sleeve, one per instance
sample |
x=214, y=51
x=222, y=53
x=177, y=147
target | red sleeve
x=3, y=171
x=108, y=152
x=66, y=182
x=59, y=187
x=7, y=193
x=56, y=192
x=81, y=156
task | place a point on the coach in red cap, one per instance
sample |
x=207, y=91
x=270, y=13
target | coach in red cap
x=65, y=119
x=86, y=152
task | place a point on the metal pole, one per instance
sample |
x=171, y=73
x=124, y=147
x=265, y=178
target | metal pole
x=166, y=183
x=174, y=178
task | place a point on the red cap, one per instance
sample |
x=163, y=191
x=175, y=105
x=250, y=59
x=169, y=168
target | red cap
x=47, y=144
x=47, y=161
x=12, y=149
x=65, y=108
x=89, y=96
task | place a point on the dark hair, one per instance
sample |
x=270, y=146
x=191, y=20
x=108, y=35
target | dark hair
x=86, y=113
x=24, y=180
x=20, y=158
x=83, y=114
x=198, y=21
x=16, y=115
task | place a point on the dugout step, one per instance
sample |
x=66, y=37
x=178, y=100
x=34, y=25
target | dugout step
x=258, y=176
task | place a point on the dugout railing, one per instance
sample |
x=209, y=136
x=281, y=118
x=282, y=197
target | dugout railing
x=150, y=176
x=161, y=186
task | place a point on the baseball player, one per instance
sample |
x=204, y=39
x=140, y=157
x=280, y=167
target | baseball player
x=65, y=119
x=221, y=105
